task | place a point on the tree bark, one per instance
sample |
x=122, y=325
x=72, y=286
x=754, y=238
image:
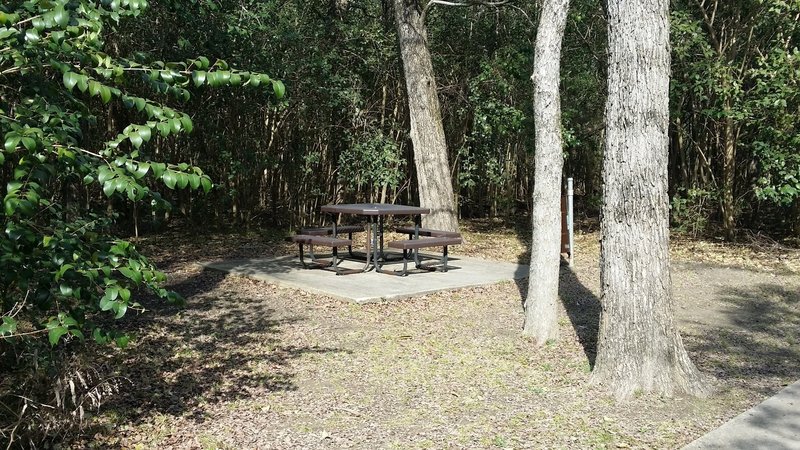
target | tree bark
x=639, y=347
x=427, y=133
x=727, y=203
x=541, y=306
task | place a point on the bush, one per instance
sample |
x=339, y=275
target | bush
x=690, y=210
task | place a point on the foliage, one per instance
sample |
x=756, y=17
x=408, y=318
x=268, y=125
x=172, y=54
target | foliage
x=495, y=119
x=690, y=210
x=64, y=277
x=735, y=73
x=373, y=160
x=776, y=138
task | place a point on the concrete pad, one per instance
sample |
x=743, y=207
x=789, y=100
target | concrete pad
x=774, y=424
x=372, y=286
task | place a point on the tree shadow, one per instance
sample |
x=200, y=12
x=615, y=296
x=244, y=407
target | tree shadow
x=759, y=344
x=222, y=347
x=580, y=303
x=583, y=309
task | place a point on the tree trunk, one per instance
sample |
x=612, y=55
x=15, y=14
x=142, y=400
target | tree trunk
x=727, y=203
x=427, y=132
x=796, y=227
x=541, y=306
x=639, y=347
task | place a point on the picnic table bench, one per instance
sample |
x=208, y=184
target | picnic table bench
x=426, y=232
x=327, y=241
x=451, y=238
x=327, y=231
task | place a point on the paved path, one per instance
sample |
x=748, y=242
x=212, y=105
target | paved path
x=772, y=425
x=371, y=286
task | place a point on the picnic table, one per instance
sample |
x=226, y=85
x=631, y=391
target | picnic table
x=375, y=214
x=375, y=256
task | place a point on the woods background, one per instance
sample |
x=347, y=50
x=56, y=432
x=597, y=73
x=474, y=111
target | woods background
x=342, y=133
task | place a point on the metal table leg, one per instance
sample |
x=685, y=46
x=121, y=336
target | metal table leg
x=375, y=245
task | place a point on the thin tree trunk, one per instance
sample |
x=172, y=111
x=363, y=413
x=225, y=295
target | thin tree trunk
x=427, y=132
x=639, y=347
x=541, y=306
x=727, y=203
x=796, y=227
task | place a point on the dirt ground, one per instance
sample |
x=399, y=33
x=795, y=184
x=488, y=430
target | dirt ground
x=254, y=365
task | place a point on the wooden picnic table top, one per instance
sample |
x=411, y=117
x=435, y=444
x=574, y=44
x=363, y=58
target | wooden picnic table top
x=374, y=209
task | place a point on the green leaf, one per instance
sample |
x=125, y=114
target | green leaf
x=136, y=139
x=32, y=35
x=141, y=170
x=61, y=17
x=158, y=169
x=183, y=180
x=62, y=270
x=106, y=303
x=66, y=290
x=145, y=133
x=170, y=179
x=8, y=326
x=94, y=88
x=109, y=187
x=163, y=129
x=186, y=121
x=176, y=125
x=77, y=333
x=105, y=94
x=70, y=79
x=5, y=33
x=12, y=140
x=99, y=336
x=213, y=79
x=104, y=174
x=198, y=77
x=55, y=334
x=69, y=321
x=132, y=274
x=205, y=181
x=120, y=309
x=122, y=341
x=278, y=88
x=194, y=181
x=83, y=83
x=29, y=143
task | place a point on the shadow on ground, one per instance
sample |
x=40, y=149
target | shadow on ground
x=583, y=308
x=581, y=304
x=762, y=343
x=225, y=345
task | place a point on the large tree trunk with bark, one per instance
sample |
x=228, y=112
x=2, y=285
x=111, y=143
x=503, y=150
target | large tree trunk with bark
x=541, y=306
x=639, y=347
x=427, y=133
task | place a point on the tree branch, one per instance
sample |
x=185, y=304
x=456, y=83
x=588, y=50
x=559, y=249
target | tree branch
x=463, y=3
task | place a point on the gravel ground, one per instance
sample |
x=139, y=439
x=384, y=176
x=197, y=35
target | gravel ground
x=249, y=364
